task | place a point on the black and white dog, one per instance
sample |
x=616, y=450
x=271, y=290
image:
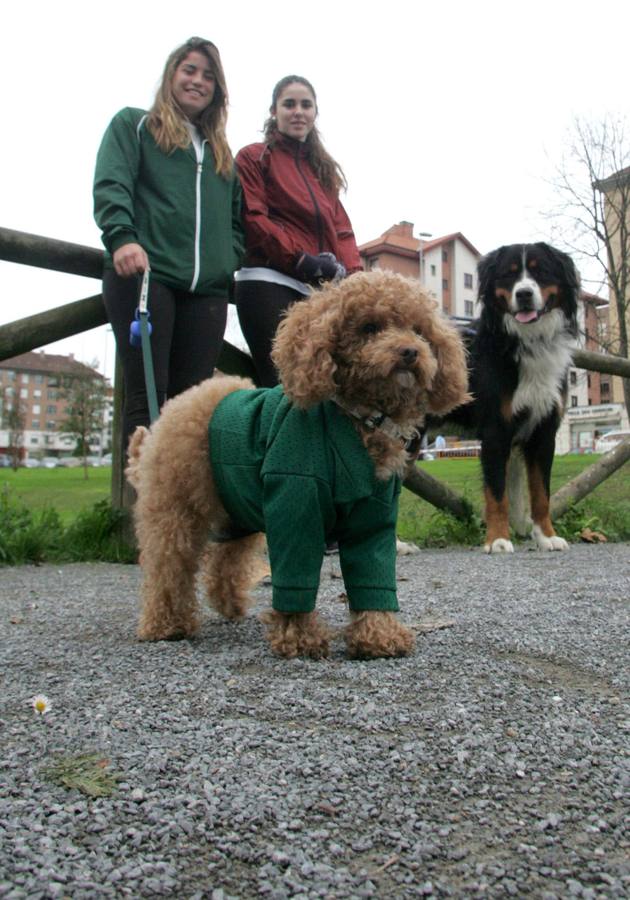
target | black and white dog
x=519, y=357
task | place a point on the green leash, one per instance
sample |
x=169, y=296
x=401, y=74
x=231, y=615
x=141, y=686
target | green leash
x=147, y=357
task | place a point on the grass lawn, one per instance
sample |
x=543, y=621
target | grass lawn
x=607, y=508
x=66, y=490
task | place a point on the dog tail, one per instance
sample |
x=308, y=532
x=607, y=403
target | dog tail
x=134, y=453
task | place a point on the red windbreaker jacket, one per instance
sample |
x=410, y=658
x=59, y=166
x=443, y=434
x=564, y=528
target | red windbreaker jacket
x=286, y=211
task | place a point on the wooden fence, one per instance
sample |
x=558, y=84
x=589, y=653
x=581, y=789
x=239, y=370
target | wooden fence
x=65, y=321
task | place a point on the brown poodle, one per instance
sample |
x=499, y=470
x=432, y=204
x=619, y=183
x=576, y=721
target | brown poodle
x=321, y=457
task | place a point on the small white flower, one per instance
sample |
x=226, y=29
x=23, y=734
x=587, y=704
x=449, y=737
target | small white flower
x=41, y=704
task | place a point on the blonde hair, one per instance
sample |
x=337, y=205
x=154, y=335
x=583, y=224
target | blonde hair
x=166, y=120
x=328, y=171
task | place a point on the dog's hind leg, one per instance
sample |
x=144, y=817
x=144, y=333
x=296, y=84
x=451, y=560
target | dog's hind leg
x=230, y=570
x=171, y=534
x=170, y=609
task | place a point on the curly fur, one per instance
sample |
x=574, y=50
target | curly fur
x=376, y=342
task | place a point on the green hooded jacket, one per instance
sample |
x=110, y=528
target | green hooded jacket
x=304, y=476
x=185, y=216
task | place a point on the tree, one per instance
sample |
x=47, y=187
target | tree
x=13, y=417
x=86, y=396
x=592, y=217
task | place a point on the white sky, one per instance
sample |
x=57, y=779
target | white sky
x=448, y=115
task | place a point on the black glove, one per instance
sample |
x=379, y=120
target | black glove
x=315, y=269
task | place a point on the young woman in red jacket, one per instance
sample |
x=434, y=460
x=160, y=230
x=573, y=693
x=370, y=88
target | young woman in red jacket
x=297, y=233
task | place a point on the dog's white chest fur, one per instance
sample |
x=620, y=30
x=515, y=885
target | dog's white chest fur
x=543, y=358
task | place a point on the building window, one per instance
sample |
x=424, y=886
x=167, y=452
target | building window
x=574, y=400
x=573, y=377
x=38, y=379
x=10, y=375
x=34, y=440
x=53, y=395
x=445, y=284
x=24, y=378
x=37, y=393
x=51, y=426
x=468, y=308
x=51, y=410
x=53, y=381
x=433, y=270
x=35, y=423
x=36, y=409
x=605, y=387
x=588, y=379
x=23, y=393
x=374, y=262
x=444, y=255
x=468, y=280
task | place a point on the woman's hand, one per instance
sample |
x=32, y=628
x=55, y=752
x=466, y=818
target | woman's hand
x=130, y=259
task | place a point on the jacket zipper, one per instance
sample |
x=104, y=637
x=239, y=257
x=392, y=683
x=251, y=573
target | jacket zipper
x=197, y=218
x=318, y=216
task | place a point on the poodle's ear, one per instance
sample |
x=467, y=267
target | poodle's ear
x=449, y=387
x=303, y=350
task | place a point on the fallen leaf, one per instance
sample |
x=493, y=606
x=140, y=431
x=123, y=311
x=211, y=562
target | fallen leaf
x=592, y=537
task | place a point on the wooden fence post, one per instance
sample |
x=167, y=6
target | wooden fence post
x=516, y=486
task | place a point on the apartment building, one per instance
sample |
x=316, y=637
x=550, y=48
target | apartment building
x=446, y=266
x=34, y=381
x=616, y=192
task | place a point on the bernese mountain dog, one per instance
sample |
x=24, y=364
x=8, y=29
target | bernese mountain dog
x=519, y=357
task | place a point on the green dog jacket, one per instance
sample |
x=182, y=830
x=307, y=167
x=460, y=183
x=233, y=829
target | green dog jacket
x=302, y=477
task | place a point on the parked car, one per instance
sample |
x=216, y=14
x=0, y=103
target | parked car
x=106, y=459
x=50, y=462
x=5, y=461
x=70, y=462
x=610, y=440
x=30, y=463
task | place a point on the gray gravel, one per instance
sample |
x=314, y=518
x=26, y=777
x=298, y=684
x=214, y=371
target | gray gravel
x=491, y=763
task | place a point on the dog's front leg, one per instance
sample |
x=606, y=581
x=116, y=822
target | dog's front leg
x=296, y=634
x=375, y=634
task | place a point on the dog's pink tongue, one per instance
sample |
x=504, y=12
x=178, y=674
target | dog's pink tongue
x=526, y=316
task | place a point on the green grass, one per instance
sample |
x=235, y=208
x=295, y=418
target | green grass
x=606, y=509
x=58, y=514
x=65, y=490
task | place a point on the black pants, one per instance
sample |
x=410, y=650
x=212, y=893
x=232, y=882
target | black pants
x=260, y=306
x=186, y=341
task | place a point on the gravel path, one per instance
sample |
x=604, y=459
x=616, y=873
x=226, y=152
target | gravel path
x=488, y=764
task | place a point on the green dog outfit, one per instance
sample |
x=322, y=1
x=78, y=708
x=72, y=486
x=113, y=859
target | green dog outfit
x=302, y=477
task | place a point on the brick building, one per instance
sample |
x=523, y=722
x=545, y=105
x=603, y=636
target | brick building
x=34, y=380
x=448, y=264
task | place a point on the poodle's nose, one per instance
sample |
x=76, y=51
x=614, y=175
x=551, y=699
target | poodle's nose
x=408, y=355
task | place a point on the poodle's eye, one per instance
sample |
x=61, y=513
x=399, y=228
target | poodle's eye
x=370, y=328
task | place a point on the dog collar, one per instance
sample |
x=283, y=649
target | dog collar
x=379, y=421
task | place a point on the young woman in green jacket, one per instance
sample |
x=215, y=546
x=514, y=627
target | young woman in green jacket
x=166, y=198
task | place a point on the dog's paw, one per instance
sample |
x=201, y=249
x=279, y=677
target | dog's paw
x=499, y=545
x=159, y=634
x=404, y=549
x=296, y=634
x=375, y=634
x=555, y=542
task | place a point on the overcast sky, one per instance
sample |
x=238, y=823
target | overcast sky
x=449, y=115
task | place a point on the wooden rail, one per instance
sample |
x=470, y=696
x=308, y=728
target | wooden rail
x=65, y=321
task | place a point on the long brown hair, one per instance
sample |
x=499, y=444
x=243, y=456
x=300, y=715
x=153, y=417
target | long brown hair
x=328, y=171
x=166, y=120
